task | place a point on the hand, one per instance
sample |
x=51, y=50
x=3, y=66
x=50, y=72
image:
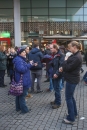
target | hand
x=60, y=69
x=35, y=64
x=31, y=62
x=55, y=76
x=66, y=58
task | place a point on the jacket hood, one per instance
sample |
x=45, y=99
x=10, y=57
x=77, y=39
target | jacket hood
x=35, y=50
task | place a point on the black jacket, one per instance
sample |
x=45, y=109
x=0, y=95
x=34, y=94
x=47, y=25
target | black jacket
x=71, y=68
x=57, y=62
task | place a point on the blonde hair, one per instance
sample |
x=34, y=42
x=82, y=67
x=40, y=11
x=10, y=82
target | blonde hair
x=55, y=46
x=75, y=43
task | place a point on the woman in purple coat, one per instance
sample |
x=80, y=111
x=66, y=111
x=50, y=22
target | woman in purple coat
x=21, y=67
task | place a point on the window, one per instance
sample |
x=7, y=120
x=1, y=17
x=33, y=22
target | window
x=25, y=4
x=74, y=11
x=57, y=3
x=40, y=11
x=57, y=18
x=39, y=3
x=75, y=18
x=74, y=3
x=57, y=11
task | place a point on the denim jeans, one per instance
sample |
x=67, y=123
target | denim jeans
x=61, y=83
x=51, y=84
x=71, y=104
x=56, y=86
x=21, y=103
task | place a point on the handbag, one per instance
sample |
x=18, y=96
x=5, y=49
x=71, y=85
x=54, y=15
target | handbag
x=16, y=89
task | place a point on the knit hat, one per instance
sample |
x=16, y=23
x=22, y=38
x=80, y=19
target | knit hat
x=21, y=50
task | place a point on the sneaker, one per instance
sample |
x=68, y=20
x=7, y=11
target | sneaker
x=39, y=91
x=47, y=80
x=55, y=106
x=68, y=122
x=29, y=96
x=52, y=103
x=5, y=85
x=35, y=80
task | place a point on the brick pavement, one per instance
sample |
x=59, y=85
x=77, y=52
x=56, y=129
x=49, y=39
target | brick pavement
x=42, y=116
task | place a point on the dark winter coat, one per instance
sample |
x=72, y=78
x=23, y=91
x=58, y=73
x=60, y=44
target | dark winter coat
x=3, y=61
x=37, y=56
x=22, y=67
x=55, y=63
x=71, y=68
x=10, y=58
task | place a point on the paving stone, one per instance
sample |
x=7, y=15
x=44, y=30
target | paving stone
x=42, y=116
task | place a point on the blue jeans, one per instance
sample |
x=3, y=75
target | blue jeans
x=21, y=103
x=51, y=84
x=61, y=83
x=71, y=104
x=56, y=86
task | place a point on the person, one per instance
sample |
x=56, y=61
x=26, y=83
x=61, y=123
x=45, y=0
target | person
x=45, y=59
x=3, y=66
x=21, y=67
x=71, y=67
x=86, y=57
x=7, y=54
x=36, y=71
x=10, y=58
x=47, y=52
x=55, y=63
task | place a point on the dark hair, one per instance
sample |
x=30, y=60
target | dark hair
x=36, y=44
x=77, y=44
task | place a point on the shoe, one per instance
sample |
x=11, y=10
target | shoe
x=25, y=112
x=48, y=90
x=68, y=122
x=75, y=116
x=47, y=80
x=32, y=91
x=18, y=110
x=35, y=80
x=29, y=96
x=5, y=85
x=2, y=86
x=52, y=103
x=39, y=91
x=82, y=71
x=55, y=106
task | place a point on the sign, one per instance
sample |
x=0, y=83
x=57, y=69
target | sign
x=5, y=35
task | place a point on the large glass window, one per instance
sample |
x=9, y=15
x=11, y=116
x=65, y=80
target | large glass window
x=39, y=18
x=6, y=4
x=85, y=18
x=74, y=11
x=40, y=11
x=57, y=11
x=57, y=3
x=75, y=18
x=25, y=12
x=25, y=18
x=85, y=3
x=57, y=18
x=74, y=3
x=25, y=4
x=85, y=11
x=6, y=12
x=39, y=3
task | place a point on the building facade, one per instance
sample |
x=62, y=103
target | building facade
x=43, y=17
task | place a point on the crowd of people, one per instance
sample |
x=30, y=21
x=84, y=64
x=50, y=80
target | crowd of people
x=61, y=65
